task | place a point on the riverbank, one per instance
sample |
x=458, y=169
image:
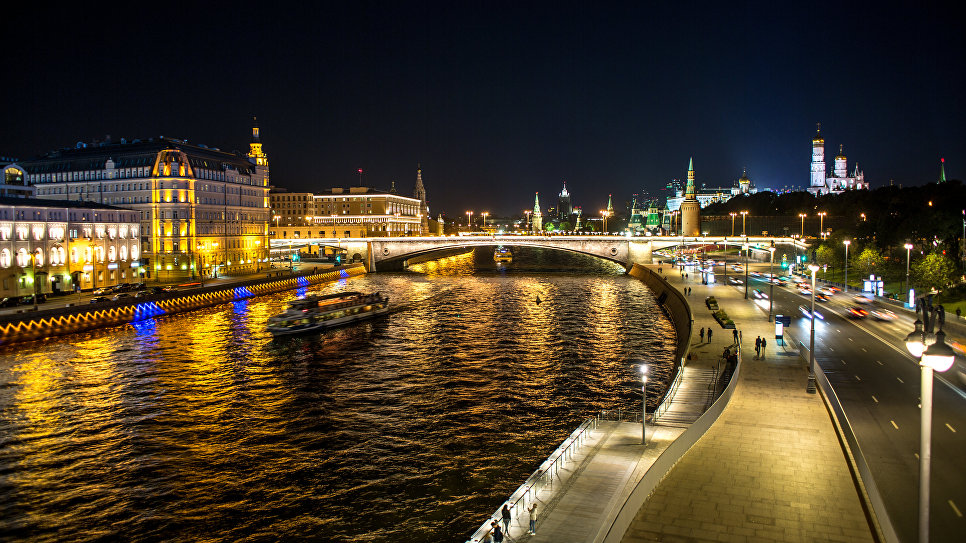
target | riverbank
x=70, y=319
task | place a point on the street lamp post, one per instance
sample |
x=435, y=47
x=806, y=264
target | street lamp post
x=821, y=221
x=469, y=217
x=484, y=213
x=746, y=269
x=733, y=215
x=905, y=291
x=802, y=216
x=644, y=404
x=743, y=215
x=810, y=387
x=527, y=213
x=847, y=243
x=771, y=282
x=936, y=357
x=201, y=270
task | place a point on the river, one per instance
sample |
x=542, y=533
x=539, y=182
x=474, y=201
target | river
x=413, y=427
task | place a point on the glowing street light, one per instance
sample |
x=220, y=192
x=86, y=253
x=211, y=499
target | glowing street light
x=908, y=247
x=733, y=215
x=644, y=404
x=604, y=214
x=847, y=243
x=935, y=357
x=484, y=213
x=802, y=216
x=743, y=215
x=810, y=388
x=469, y=217
x=821, y=221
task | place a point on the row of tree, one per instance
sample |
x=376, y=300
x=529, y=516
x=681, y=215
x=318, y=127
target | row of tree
x=933, y=270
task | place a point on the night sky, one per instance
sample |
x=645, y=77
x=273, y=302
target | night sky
x=499, y=100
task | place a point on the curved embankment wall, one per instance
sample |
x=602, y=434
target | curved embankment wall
x=673, y=302
x=69, y=320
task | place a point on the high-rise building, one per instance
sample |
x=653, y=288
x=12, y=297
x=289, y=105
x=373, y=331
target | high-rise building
x=840, y=180
x=201, y=209
x=564, y=206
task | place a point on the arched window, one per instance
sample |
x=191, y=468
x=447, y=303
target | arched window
x=22, y=258
x=134, y=252
x=112, y=253
x=73, y=255
x=5, y=258
x=123, y=250
x=39, y=257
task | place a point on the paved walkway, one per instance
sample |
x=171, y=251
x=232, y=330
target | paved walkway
x=771, y=468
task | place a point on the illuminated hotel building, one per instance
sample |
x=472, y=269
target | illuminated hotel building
x=200, y=208
x=49, y=248
x=352, y=212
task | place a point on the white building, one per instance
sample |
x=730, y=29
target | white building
x=840, y=180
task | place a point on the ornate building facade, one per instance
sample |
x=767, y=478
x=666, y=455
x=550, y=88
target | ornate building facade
x=353, y=212
x=201, y=210
x=840, y=180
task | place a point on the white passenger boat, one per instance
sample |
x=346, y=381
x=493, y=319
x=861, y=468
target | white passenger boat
x=323, y=312
x=502, y=255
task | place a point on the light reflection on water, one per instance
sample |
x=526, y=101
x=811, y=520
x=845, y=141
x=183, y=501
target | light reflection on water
x=415, y=426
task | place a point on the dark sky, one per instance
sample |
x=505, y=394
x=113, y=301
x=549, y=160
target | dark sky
x=499, y=100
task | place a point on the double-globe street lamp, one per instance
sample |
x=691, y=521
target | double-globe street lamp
x=905, y=291
x=937, y=356
x=644, y=404
x=771, y=282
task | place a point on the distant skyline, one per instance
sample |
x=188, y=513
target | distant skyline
x=502, y=100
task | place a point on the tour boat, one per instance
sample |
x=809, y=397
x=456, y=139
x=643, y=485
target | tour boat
x=502, y=254
x=322, y=312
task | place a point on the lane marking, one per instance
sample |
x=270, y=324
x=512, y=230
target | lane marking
x=857, y=378
x=916, y=455
x=896, y=426
x=880, y=362
x=900, y=380
x=874, y=399
x=843, y=363
x=864, y=350
x=955, y=509
x=850, y=339
x=951, y=429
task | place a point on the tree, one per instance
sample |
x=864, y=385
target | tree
x=935, y=271
x=826, y=255
x=565, y=226
x=869, y=260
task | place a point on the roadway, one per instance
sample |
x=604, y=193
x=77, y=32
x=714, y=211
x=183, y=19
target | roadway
x=878, y=383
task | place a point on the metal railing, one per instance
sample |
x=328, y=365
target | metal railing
x=669, y=397
x=543, y=476
x=620, y=415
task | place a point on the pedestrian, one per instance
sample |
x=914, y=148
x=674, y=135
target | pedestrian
x=702, y=335
x=757, y=347
x=959, y=312
x=709, y=335
x=735, y=334
x=497, y=532
x=506, y=517
x=533, y=517
x=763, y=343
x=739, y=337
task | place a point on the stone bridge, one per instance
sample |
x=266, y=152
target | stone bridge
x=625, y=250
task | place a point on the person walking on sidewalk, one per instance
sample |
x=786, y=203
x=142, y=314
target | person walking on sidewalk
x=506, y=517
x=533, y=517
x=709, y=335
x=497, y=532
x=757, y=347
x=702, y=335
x=763, y=342
x=735, y=334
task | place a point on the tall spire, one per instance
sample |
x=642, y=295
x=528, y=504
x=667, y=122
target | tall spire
x=255, y=153
x=419, y=192
x=610, y=207
x=942, y=170
x=537, y=215
x=689, y=190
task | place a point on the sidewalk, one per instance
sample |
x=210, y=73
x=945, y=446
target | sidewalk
x=771, y=468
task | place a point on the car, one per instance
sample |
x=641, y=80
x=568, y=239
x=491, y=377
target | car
x=755, y=274
x=808, y=313
x=9, y=301
x=735, y=281
x=101, y=291
x=857, y=312
x=122, y=287
x=827, y=291
x=138, y=286
x=143, y=294
x=169, y=288
x=863, y=299
x=760, y=295
x=99, y=299
x=29, y=299
x=121, y=296
x=737, y=268
x=778, y=281
x=882, y=314
x=819, y=297
x=155, y=290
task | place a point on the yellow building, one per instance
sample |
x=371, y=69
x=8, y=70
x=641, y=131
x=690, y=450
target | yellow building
x=201, y=209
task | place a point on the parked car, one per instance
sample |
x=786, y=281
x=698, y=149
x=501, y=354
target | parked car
x=138, y=286
x=122, y=287
x=101, y=291
x=155, y=290
x=29, y=299
x=142, y=294
x=99, y=299
x=121, y=296
x=10, y=301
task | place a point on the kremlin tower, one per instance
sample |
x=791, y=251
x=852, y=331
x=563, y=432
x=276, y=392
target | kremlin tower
x=537, y=216
x=690, y=208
